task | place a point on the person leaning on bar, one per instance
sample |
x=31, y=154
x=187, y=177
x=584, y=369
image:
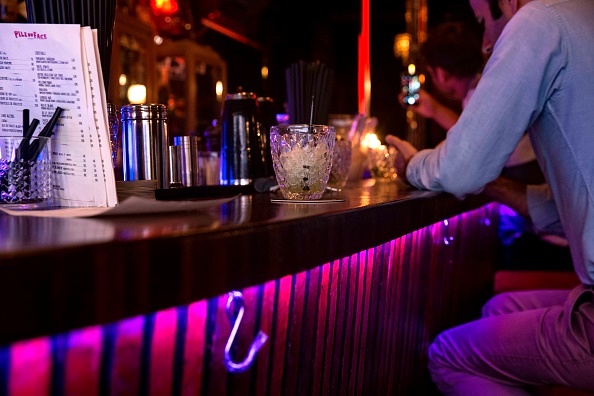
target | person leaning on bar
x=453, y=58
x=540, y=78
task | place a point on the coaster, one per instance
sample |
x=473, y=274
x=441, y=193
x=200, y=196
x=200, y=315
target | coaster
x=307, y=201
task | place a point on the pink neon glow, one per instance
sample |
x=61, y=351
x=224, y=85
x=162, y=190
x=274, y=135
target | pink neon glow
x=128, y=349
x=363, y=61
x=163, y=344
x=83, y=360
x=30, y=367
x=30, y=361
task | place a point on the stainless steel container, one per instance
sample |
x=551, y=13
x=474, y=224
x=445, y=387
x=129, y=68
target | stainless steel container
x=188, y=160
x=242, y=146
x=145, y=143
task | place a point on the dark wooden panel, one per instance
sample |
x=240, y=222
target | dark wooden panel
x=360, y=325
x=60, y=274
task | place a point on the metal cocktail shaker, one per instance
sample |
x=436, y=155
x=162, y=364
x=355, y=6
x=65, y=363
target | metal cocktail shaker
x=145, y=143
x=243, y=148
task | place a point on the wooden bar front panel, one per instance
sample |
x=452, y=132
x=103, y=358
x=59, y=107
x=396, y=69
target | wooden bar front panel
x=360, y=325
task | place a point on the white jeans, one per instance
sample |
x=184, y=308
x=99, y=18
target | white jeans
x=525, y=338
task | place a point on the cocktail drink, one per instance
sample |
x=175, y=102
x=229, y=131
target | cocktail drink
x=302, y=159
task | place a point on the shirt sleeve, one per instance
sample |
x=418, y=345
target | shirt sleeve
x=519, y=77
x=543, y=211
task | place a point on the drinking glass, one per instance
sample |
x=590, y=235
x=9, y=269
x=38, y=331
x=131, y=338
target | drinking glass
x=302, y=159
x=341, y=163
x=382, y=163
x=25, y=172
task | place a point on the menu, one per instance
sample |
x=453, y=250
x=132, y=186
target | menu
x=44, y=66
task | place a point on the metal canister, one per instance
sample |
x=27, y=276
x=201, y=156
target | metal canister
x=242, y=147
x=145, y=143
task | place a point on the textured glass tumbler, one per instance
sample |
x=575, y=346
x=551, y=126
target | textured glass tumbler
x=302, y=159
x=25, y=173
x=341, y=163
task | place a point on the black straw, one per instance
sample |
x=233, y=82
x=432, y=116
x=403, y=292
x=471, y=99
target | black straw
x=25, y=121
x=311, y=111
x=37, y=146
x=23, y=149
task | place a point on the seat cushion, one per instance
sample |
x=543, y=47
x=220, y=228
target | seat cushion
x=510, y=280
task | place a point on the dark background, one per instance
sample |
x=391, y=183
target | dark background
x=288, y=31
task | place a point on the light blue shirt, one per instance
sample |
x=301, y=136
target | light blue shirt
x=540, y=78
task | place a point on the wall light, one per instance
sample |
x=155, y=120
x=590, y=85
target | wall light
x=166, y=7
x=219, y=89
x=137, y=94
x=402, y=45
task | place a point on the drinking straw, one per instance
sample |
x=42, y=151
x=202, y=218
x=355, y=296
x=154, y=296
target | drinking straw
x=63, y=13
x=290, y=93
x=37, y=146
x=311, y=115
x=299, y=86
x=319, y=92
x=48, y=129
x=23, y=149
x=70, y=11
x=45, y=13
x=25, y=121
x=30, y=11
x=50, y=17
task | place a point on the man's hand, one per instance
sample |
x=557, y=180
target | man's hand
x=405, y=152
x=425, y=106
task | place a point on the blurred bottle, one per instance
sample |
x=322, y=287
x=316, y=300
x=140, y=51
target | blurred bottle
x=267, y=120
x=211, y=137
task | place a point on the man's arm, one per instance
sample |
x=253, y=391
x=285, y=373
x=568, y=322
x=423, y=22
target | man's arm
x=510, y=193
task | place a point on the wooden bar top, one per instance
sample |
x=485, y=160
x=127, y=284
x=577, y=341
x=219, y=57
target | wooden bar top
x=58, y=274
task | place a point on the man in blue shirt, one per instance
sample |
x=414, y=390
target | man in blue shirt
x=540, y=78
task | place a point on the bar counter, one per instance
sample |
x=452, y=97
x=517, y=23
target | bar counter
x=59, y=274
x=351, y=291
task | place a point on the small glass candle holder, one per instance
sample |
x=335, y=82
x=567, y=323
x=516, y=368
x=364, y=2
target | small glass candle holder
x=382, y=162
x=302, y=159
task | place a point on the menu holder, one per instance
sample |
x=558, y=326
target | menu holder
x=48, y=66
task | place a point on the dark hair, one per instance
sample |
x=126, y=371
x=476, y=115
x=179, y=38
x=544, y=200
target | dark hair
x=495, y=9
x=454, y=47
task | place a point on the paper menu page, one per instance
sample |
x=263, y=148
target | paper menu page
x=97, y=114
x=104, y=130
x=41, y=67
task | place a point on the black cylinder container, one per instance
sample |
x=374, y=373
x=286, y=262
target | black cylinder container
x=243, y=147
